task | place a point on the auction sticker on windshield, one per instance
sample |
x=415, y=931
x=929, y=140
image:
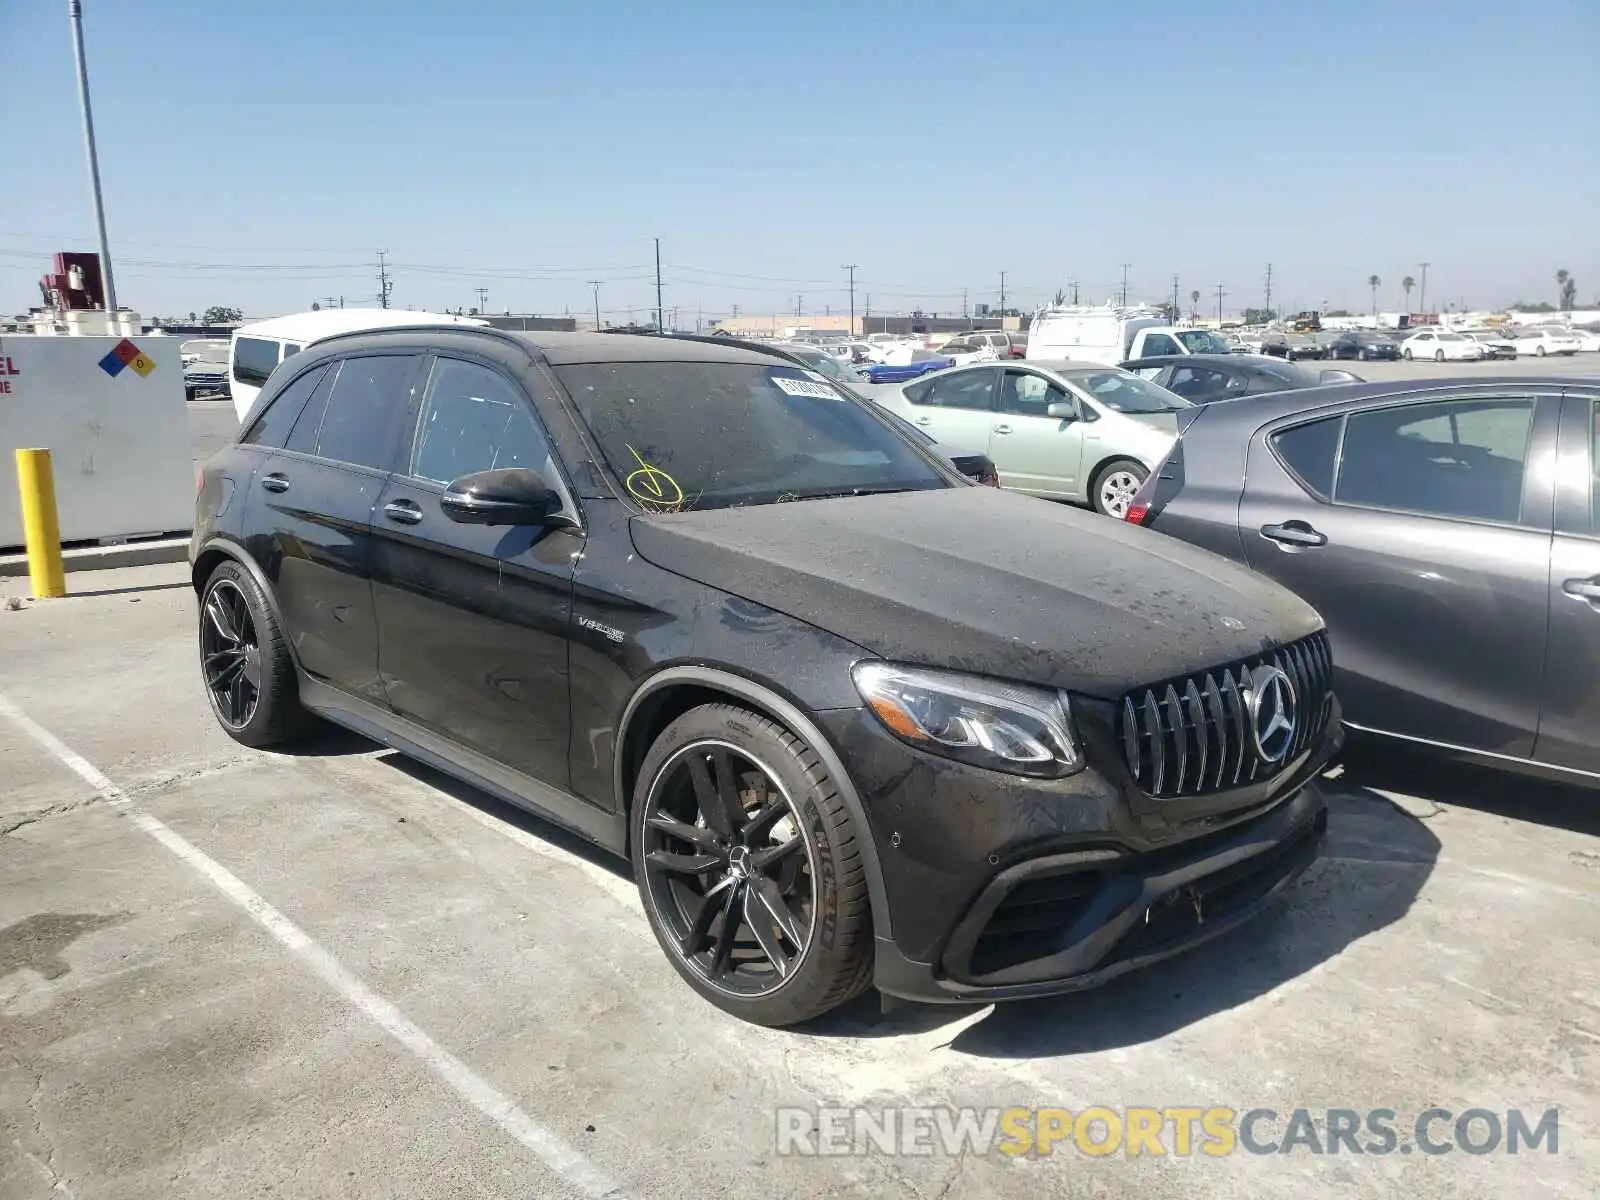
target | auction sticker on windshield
x=804, y=387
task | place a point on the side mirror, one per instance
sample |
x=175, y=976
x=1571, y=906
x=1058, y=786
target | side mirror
x=509, y=496
x=1063, y=410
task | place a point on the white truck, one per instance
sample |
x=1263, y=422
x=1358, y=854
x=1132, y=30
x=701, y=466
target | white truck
x=1111, y=334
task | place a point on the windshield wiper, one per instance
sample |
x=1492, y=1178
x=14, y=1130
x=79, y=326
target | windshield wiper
x=844, y=492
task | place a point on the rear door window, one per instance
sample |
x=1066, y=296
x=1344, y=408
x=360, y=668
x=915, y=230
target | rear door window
x=272, y=427
x=961, y=389
x=1310, y=451
x=253, y=360
x=365, y=409
x=1446, y=458
x=1159, y=343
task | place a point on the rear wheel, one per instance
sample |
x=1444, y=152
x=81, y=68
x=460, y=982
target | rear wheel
x=1115, y=486
x=750, y=869
x=1406, y=354
x=1438, y=356
x=1539, y=350
x=244, y=661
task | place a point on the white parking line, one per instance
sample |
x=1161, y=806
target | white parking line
x=547, y=1145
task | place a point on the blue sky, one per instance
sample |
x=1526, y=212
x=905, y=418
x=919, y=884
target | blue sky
x=260, y=154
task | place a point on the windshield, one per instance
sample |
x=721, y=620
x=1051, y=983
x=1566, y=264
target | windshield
x=205, y=349
x=1202, y=341
x=1125, y=392
x=687, y=435
x=827, y=364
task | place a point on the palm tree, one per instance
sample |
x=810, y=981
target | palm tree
x=1408, y=283
x=1194, y=303
x=1374, y=283
x=1561, y=282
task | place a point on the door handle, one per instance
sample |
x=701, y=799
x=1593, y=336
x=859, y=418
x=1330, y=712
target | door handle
x=1582, y=589
x=1002, y=429
x=402, y=512
x=275, y=482
x=1294, y=533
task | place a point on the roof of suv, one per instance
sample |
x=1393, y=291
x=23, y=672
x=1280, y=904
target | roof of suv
x=560, y=348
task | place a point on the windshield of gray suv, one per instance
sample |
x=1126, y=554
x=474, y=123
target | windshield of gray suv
x=1125, y=392
x=1203, y=341
x=695, y=435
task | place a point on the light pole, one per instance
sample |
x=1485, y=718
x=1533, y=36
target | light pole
x=595, y=284
x=851, y=267
x=1422, y=294
x=1002, y=299
x=75, y=15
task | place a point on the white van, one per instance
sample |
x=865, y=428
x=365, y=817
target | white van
x=1101, y=333
x=258, y=348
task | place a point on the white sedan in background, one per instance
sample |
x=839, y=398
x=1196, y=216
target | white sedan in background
x=1540, y=342
x=1441, y=345
x=1588, y=339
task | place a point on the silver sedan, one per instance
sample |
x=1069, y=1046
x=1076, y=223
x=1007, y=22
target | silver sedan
x=1063, y=430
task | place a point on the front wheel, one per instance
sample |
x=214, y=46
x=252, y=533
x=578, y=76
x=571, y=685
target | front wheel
x=1115, y=485
x=1539, y=350
x=1438, y=356
x=750, y=867
x=1406, y=354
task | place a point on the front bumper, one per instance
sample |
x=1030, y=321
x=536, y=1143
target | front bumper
x=998, y=886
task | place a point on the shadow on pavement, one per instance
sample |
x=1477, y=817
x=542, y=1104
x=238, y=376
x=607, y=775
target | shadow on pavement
x=75, y=594
x=1374, y=864
x=1397, y=768
x=545, y=831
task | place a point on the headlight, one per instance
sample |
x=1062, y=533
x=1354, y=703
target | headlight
x=1001, y=726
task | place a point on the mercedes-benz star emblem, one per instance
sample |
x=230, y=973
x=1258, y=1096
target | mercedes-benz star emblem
x=1271, y=704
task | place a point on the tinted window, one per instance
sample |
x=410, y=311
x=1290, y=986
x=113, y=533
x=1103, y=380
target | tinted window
x=303, y=437
x=1029, y=395
x=474, y=419
x=1309, y=451
x=278, y=417
x=961, y=389
x=1160, y=343
x=1450, y=458
x=681, y=435
x=253, y=360
x=1195, y=383
x=366, y=404
x=1594, y=459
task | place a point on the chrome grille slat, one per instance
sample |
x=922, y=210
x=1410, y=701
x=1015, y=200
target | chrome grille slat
x=1197, y=721
x=1191, y=736
x=1179, y=737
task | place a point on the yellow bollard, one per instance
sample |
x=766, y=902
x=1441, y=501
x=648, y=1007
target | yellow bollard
x=39, y=524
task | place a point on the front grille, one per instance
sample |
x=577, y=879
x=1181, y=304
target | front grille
x=1192, y=736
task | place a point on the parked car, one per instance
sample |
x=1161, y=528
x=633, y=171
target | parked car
x=1588, y=339
x=1495, y=343
x=1441, y=345
x=961, y=351
x=908, y=364
x=1363, y=344
x=1071, y=431
x=1207, y=378
x=1005, y=343
x=1460, y=582
x=853, y=721
x=1547, y=340
x=1291, y=346
x=1162, y=340
x=205, y=367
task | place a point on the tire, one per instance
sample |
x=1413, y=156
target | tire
x=1438, y=356
x=1109, y=494
x=834, y=965
x=1539, y=350
x=1361, y=356
x=237, y=621
x=1406, y=354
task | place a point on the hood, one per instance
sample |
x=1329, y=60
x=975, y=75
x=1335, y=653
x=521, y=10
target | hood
x=988, y=582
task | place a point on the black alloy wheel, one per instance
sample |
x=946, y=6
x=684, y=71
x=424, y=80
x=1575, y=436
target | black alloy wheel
x=729, y=869
x=230, y=654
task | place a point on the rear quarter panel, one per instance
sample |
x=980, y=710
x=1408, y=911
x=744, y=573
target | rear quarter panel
x=1209, y=461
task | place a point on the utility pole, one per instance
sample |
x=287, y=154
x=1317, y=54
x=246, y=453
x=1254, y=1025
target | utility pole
x=963, y=304
x=1125, y=267
x=1073, y=284
x=1269, y=292
x=595, y=284
x=851, y=267
x=1220, y=294
x=798, y=301
x=1422, y=295
x=385, y=284
x=75, y=16
x=1174, y=299
x=659, y=327
x=483, y=300
x=1002, y=298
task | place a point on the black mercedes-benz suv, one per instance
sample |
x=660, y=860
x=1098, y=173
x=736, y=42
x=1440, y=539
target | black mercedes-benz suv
x=854, y=719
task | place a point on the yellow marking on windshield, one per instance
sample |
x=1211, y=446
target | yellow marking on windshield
x=652, y=485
